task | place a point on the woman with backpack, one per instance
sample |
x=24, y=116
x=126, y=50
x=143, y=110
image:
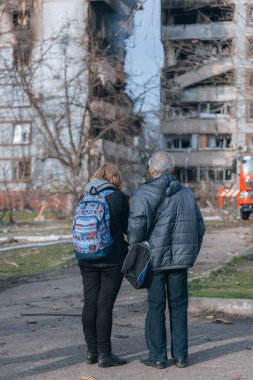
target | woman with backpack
x=103, y=250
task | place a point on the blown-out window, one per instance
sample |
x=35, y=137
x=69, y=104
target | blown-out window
x=250, y=47
x=22, y=134
x=21, y=18
x=21, y=170
x=250, y=112
x=250, y=14
x=178, y=141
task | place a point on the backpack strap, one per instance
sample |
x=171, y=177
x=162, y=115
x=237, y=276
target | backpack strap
x=158, y=213
x=159, y=210
x=97, y=190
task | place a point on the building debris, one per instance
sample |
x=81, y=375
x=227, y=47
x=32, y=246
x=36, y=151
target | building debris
x=207, y=110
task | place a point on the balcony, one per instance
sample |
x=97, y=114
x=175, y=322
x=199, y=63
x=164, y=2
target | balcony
x=212, y=31
x=191, y=3
x=204, y=158
x=202, y=73
x=107, y=111
x=198, y=125
x=209, y=94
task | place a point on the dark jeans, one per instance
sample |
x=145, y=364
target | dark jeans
x=101, y=287
x=172, y=284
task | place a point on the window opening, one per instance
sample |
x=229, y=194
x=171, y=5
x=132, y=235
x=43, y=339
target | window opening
x=249, y=77
x=22, y=134
x=250, y=111
x=250, y=47
x=250, y=14
x=21, y=19
x=178, y=141
x=21, y=55
x=215, y=141
x=21, y=170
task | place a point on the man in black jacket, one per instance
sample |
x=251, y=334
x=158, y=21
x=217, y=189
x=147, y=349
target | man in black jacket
x=175, y=241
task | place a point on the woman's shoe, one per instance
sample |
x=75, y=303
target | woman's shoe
x=91, y=358
x=110, y=360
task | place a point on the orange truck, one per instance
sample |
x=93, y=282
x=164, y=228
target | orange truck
x=243, y=168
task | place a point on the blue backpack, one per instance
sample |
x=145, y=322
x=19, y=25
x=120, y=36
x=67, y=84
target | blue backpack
x=91, y=227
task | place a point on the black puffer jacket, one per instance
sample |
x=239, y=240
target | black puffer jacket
x=176, y=238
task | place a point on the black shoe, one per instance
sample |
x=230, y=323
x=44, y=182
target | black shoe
x=91, y=358
x=152, y=363
x=180, y=363
x=110, y=360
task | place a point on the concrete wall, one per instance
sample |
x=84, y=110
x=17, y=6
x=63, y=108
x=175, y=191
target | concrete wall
x=59, y=52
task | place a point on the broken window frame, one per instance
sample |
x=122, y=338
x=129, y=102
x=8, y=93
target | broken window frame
x=249, y=47
x=215, y=174
x=249, y=14
x=23, y=135
x=197, y=15
x=21, y=18
x=198, y=109
x=22, y=55
x=221, y=141
x=249, y=114
x=180, y=141
x=193, y=174
x=249, y=141
x=7, y=129
x=249, y=79
x=186, y=174
x=21, y=170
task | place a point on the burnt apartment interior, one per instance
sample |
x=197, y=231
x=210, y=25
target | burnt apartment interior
x=21, y=19
x=193, y=64
x=112, y=114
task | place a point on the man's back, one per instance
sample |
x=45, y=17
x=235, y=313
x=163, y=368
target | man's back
x=175, y=240
x=177, y=235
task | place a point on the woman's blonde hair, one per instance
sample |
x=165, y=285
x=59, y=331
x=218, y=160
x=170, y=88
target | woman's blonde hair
x=109, y=172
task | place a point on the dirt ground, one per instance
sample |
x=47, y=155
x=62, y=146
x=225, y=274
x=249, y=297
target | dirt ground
x=222, y=243
x=41, y=335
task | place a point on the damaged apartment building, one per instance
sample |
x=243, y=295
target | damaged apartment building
x=63, y=106
x=207, y=85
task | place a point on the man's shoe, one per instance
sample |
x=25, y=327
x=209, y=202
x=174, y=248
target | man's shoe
x=110, y=360
x=180, y=363
x=91, y=358
x=152, y=363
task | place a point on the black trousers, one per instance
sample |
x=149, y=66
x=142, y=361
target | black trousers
x=172, y=285
x=100, y=287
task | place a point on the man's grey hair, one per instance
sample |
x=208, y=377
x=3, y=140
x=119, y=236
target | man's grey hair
x=162, y=163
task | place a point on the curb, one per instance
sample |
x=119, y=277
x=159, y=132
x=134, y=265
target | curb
x=228, y=306
x=199, y=305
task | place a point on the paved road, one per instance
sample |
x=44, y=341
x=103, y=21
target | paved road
x=36, y=345
x=51, y=347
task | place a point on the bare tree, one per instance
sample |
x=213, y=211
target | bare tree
x=80, y=110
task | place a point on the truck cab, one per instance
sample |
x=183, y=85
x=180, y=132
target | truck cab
x=244, y=170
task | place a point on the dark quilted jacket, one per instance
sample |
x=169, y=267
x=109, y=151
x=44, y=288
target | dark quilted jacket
x=176, y=238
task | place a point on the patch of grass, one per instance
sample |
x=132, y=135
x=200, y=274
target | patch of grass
x=18, y=216
x=29, y=216
x=223, y=223
x=235, y=280
x=32, y=261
